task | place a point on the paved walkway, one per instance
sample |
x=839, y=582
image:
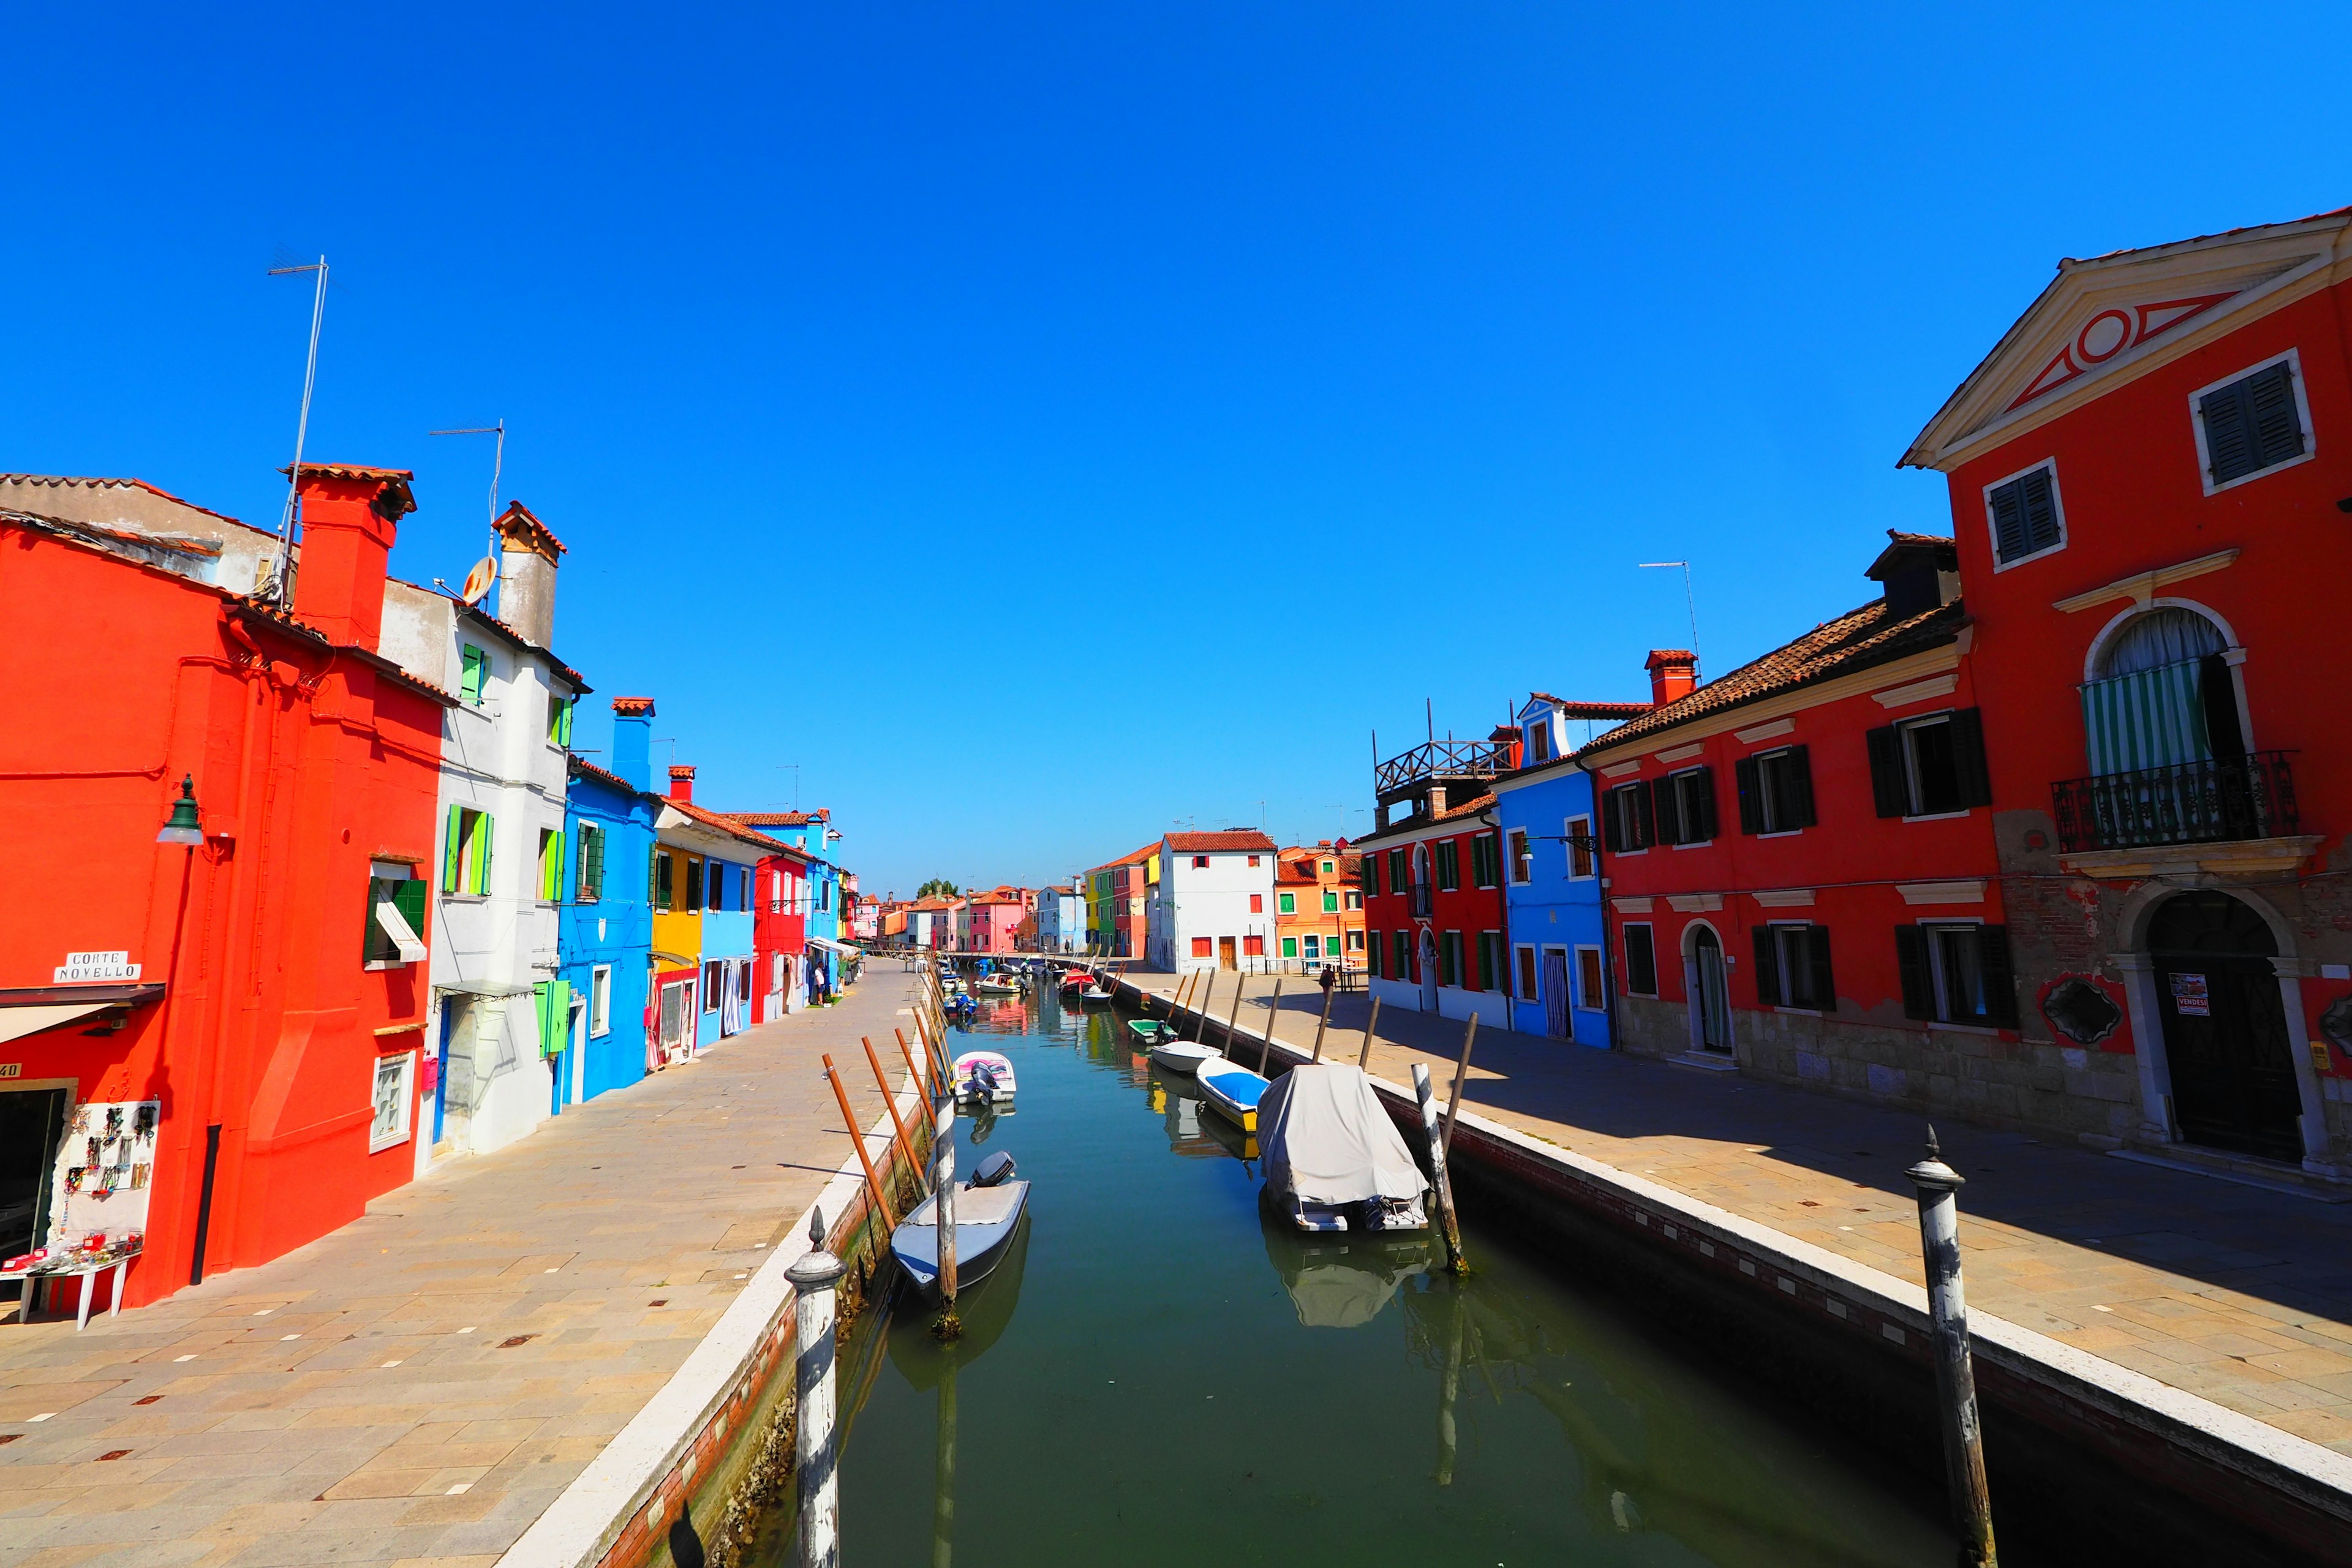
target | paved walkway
x=417, y=1387
x=2237, y=1294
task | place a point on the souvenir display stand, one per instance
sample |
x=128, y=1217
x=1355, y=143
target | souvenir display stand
x=98, y=1203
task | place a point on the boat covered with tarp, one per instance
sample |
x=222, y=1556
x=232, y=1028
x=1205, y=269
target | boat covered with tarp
x=1334, y=1161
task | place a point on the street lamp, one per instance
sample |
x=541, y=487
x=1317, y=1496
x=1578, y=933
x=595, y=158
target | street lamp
x=183, y=827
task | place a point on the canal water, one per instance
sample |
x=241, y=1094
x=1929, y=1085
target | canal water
x=1164, y=1374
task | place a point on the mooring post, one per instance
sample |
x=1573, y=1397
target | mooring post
x=949, y=1326
x=814, y=1277
x=1233, y=1014
x=1449, y=1389
x=890, y=1103
x=1265, y=1041
x=1956, y=1380
x=873, y=1182
x=1442, y=1183
x=1201, y=1006
x=1323, y=1023
x=1364, y=1057
x=1461, y=1071
x=926, y=1084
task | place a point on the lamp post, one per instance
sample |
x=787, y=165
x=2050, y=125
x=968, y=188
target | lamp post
x=185, y=825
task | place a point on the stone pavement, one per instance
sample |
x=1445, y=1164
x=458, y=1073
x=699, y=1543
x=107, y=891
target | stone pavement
x=2237, y=1294
x=417, y=1387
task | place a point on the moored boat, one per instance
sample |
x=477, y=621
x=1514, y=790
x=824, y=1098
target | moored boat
x=988, y=1213
x=998, y=985
x=1334, y=1161
x=1149, y=1031
x=1180, y=1056
x=1232, y=1092
x=985, y=1077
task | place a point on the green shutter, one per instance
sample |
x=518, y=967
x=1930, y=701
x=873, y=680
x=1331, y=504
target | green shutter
x=479, y=881
x=453, y=849
x=408, y=898
x=592, y=864
x=469, y=682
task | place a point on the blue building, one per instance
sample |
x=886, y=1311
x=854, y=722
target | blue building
x=1551, y=883
x=604, y=921
x=813, y=833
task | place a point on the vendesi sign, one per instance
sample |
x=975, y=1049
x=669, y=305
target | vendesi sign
x=83, y=968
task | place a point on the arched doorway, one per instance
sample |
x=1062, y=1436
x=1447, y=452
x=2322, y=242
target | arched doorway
x=2225, y=1037
x=1428, y=970
x=1710, y=999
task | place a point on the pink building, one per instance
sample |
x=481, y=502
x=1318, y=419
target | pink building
x=997, y=916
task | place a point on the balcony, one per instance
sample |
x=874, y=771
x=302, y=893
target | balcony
x=2223, y=800
x=1421, y=900
x=1443, y=762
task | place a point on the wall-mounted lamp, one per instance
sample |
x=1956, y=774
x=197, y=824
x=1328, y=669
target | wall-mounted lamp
x=183, y=827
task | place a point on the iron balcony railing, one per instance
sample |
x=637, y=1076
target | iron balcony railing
x=1421, y=903
x=2208, y=802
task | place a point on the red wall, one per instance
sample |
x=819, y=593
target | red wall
x=775, y=931
x=1468, y=909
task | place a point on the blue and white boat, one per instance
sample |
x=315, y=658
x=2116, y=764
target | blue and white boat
x=988, y=1213
x=1231, y=1091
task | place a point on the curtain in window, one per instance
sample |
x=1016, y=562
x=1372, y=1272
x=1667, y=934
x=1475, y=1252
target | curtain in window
x=2148, y=718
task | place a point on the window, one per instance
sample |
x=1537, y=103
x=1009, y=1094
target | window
x=824, y=896
x=714, y=977
x=1327, y=868
x=1330, y=903
x=1485, y=861
x=1200, y=947
x=1286, y=903
x=1253, y=947
x=2025, y=515
x=1369, y=870
x=1200, y=862
x=474, y=674
x=1314, y=947
x=1291, y=947
x=550, y=866
x=663, y=869
x=1792, y=967
x=1592, y=989
x=1686, y=807
x=1257, y=903
x=1776, y=791
x=1539, y=742
x=391, y=1097
x=1372, y=958
x=1626, y=818
x=693, y=883
x=558, y=719
x=2251, y=426
x=1400, y=948
x=590, y=885
x=1580, y=851
x=1956, y=973
x=1355, y=942
x=1399, y=871
x=599, y=1000
x=1449, y=958
x=466, y=852
x=1449, y=865
x=1928, y=767
x=1641, y=961
x=1523, y=865
x=1252, y=859
x=1528, y=991
x=1355, y=900
x=1491, y=972
x=395, y=921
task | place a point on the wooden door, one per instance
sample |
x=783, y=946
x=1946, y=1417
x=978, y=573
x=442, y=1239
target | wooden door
x=1225, y=959
x=2225, y=1041
x=1711, y=998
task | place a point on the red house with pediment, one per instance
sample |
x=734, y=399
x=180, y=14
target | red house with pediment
x=2151, y=476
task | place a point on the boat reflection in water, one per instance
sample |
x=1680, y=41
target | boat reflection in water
x=1338, y=1281
x=1185, y=1120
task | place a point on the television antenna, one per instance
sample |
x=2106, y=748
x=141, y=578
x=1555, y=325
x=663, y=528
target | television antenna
x=485, y=574
x=280, y=572
x=1690, y=602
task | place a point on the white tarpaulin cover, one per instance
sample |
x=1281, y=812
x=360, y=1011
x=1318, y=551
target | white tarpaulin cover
x=1327, y=1140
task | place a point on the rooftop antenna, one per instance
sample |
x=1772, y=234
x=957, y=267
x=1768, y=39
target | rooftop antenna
x=1429, y=716
x=1690, y=602
x=795, y=768
x=479, y=581
x=281, y=574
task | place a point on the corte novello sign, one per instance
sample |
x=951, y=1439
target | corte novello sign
x=81, y=968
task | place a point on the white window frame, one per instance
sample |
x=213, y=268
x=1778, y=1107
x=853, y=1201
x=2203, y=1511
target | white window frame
x=403, y=1065
x=1584, y=1002
x=1939, y=994
x=1911, y=791
x=1611, y=799
x=2057, y=506
x=600, y=1001
x=1570, y=835
x=2302, y=408
x=1779, y=929
x=1675, y=778
x=1764, y=796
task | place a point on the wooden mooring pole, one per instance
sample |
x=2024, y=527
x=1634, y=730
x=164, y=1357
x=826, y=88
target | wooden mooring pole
x=1364, y=1056
x=856, y=1136
x=1233, y=1014
x=1439, y=1182
x=1956, y=1382
x=1325, y=1021
x=928, y=1083
x=1201, y=1006
x=1265, y=1041
x=814, y=1277
x=1461, y=1071
x=949, y=1326
x=890, y=1103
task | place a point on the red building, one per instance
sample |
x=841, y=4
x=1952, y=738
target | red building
x=1801, y=881
x=1432, y=880
x=779, y=922
x=2149, y=476
x=248, y=993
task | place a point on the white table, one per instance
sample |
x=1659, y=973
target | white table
x=86, y=1273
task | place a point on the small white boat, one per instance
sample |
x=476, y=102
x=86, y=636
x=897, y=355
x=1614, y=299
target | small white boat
x=997, y=986
x=1232, y=1092
x=1334, y=1161
x=1095, y=994
x=988, y=1214
x=984, y=1077
x=1182, y=1056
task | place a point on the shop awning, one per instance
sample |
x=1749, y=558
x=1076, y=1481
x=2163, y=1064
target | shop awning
x=29, y=1009
x=830, y=945
x=481, y=988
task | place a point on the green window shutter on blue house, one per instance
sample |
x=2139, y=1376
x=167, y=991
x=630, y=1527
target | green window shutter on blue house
x=2150, y=718
x=552, y=1000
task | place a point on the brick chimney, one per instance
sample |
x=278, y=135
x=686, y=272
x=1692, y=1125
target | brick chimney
x=1437, y=799
x=349, y=518
x=1674, y=673
x=632, y=731
x=527, y=558
x=681, y=783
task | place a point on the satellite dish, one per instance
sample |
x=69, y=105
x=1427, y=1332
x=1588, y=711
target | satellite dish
x=479, y=581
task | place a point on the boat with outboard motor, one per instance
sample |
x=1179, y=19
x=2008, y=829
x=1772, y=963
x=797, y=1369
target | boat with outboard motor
x=998, y=985
x=1232, y=1091
x=984, y=1078
x=1334, y=1161
x=989, y=1209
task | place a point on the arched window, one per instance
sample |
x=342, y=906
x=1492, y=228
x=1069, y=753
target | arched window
x=2163, y=696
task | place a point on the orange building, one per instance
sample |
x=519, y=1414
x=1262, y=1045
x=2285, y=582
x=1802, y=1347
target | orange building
x=1318, y=907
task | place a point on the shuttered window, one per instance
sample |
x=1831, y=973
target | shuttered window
x=2025, y=515
x=1400, y=948
x=1449, y=959
x=592, y=864
x=1956, y=973
x=558, y=719
x=1399, y=871
x=1776, y=791
x=1641, y=961
x=1485, y=861
x=2251, y=424
x=1927, y=767
x=1449, y=865
x=550, y=866
x=1792, y=967
x=1685, y=807
x=474, y=674
x=1626, y=818
x=1490, y=960
x=466, y=852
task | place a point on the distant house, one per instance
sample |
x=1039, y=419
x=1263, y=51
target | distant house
x=1433, y=880
x=1116, y=918
x=995, y=918
x=605, y=931
x=1062, y=918
x=1214, y=905
x=831, y=959
x=1318, y=908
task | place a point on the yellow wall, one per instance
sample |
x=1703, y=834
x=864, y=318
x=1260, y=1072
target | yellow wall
x=680, y=931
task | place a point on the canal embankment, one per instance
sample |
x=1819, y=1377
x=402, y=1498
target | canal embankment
x=559, y=1344
x=2148, y=1342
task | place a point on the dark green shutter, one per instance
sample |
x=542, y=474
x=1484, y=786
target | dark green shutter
x=1888, y=789
x=1799, y=780
x=1999, y=978
x=2251, y=424
x=2041, y=504
x=1613, y=815
x=1918, y=980
x=1767, y=968
x=1748, y=786
x=1704, y=828
x=2008, y=521
x=2278, y=427
x=1665, y=817
x=1367, y=870
x=1824, y=983
x=408, y=898
x=1641, y=961
x=1969, y=757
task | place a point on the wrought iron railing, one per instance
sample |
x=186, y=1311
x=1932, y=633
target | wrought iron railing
x=2208, y=802
x=1438, y=760
x=1421, y=900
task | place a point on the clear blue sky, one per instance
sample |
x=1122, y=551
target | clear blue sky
x=1046, y=424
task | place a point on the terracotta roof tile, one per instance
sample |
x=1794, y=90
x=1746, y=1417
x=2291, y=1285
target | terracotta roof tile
x=1219, y=843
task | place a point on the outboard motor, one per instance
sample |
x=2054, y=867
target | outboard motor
x=993, y=1171
x=982, y=1084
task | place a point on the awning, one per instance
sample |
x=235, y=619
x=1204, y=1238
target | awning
x=481, y=988
x=830, y=945
x=29, y=1009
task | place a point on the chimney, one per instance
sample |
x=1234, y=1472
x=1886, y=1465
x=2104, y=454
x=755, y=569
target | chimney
x=349, y=521
x=1674, y=673
x=1380, y=820
x=633, y=733
x=681, y=783
x=1437, y=799
x=527, y=554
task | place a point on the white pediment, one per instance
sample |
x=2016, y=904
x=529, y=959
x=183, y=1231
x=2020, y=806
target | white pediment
x=2114, y=317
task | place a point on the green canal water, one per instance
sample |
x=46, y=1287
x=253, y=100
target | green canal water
x=1163, y=1374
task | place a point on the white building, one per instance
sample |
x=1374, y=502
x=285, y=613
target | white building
x=498, y=849
x=1213, y=905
